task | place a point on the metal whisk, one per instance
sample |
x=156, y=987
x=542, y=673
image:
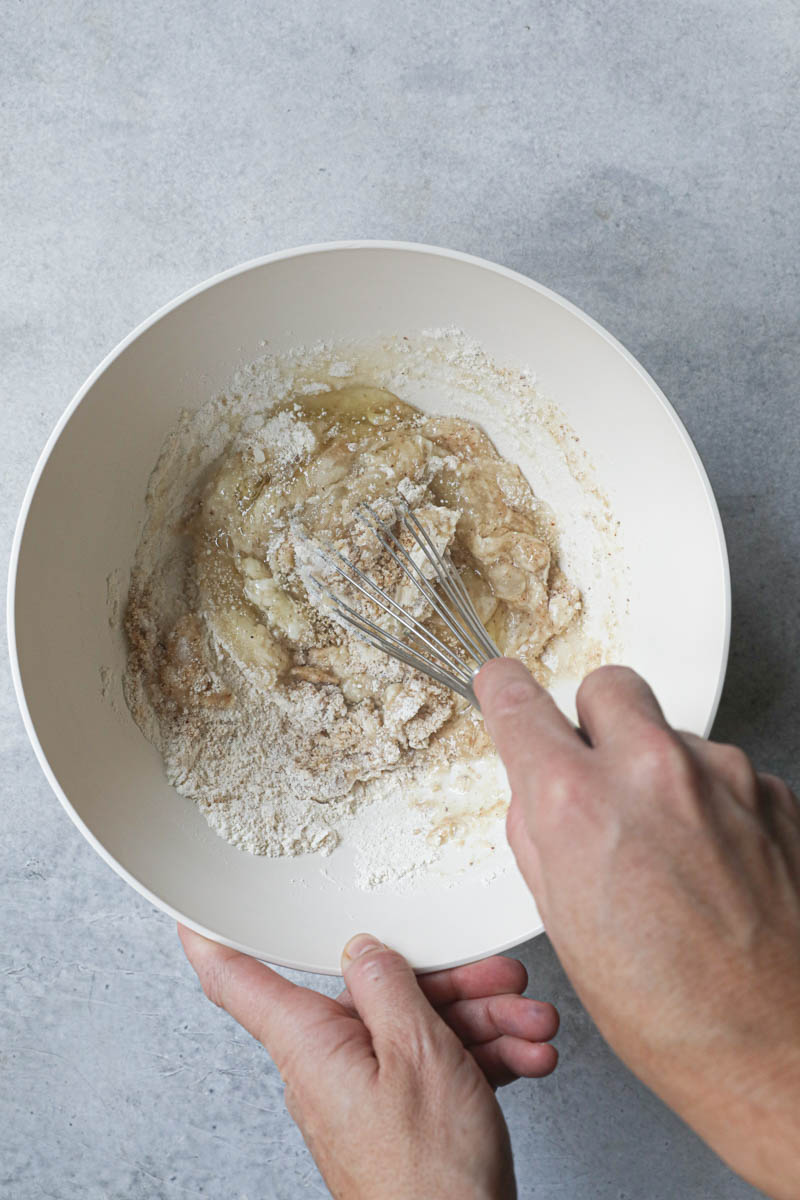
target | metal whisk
x=445, y=592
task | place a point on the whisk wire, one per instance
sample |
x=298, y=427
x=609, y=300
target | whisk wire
x=419, y=648
x=392, y=646
x=453, y=585
x=384, y=601
x=385, y=535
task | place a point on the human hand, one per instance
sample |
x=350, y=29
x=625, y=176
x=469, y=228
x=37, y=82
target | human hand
x=667, y=873
x=391, y=1083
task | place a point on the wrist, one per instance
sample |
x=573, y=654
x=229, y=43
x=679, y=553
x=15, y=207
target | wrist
x=443, y=1188
x=748, y=1110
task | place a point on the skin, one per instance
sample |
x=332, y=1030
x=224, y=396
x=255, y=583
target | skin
x=392, y=1082
x=667, y=871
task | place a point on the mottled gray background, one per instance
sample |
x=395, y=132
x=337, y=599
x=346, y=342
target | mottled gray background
x=641, y=159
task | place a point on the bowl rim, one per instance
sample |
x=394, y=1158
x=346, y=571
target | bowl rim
x=206, y=284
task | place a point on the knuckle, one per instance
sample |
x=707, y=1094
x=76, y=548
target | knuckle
x=563, y=790
x=736, y=764
x=606, y=677
x=564, y=796
x=659, y=756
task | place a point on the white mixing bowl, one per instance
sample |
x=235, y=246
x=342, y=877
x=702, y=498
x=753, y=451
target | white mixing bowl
x=82, y=515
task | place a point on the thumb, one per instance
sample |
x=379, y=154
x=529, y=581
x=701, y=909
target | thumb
x=532, y=736
x=385, y=992
x=279, y=1014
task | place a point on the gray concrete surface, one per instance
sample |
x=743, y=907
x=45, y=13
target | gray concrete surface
x=640, y=159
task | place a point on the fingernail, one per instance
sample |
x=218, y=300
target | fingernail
x=359, y=945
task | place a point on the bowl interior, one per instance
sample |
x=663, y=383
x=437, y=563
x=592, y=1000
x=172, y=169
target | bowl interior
x=84, y=520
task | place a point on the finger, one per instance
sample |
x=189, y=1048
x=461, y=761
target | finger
x=531, y=734
x=780, y=793
x=483, y=1020
x=509, y=1058
x=780, y=809
x=385, y=992
x=614, y=703
x=729, y=764
x=491, y=977
x=738, y=766
x=269, y=1007
x=497, y=976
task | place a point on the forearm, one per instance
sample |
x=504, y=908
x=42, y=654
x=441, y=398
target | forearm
x=730, y=1070
x=740, y=1094
x=753, y=1120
